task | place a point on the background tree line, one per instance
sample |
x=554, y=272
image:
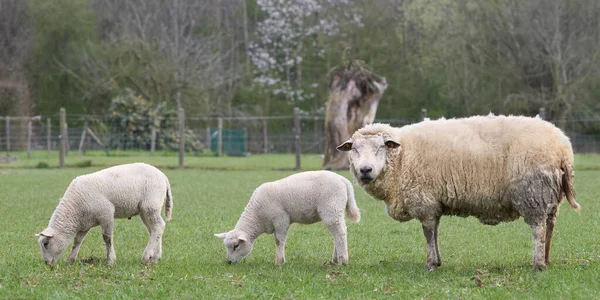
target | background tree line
x=263, y=57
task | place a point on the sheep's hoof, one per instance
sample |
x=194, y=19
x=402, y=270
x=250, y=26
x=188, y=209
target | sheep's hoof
x=539, y=267
x=279, y=260
x=430, y=267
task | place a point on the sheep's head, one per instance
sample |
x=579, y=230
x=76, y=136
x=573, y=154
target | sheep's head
x=368, y=155
x=52, y=244
x=237, y=244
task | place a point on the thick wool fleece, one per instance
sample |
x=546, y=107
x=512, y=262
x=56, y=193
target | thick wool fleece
x=495, y=168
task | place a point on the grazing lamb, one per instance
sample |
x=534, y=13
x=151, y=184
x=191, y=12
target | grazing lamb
x=98, y=198
x=303, y=198
x=495, y=168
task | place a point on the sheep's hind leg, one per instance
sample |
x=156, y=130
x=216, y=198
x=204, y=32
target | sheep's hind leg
x=155, y=226
x=550, y=221
x=539, y=245
x=76, y=245
x=430, y=230
x=340, y=241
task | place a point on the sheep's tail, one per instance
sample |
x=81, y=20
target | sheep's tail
x=567, y=186
x=168, y=202
x=352, y=210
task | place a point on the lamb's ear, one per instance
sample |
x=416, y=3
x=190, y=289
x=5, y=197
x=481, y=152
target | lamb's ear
x=48, y=232
x=391, y=144
x=346, y=146
x=221, y=235
x=243, y=238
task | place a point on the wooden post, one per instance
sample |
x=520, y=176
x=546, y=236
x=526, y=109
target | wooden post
x=542, y=113
x=62, y=137
x=155, y=124
x=7, y=137
x=29, y=131
x=297, y=133
x=220, y=136
x=85, y=129
x=66, y=139
x=423, y=114
x=265, y=137
x=181, y=117
x=49, y=135
x=208, y=140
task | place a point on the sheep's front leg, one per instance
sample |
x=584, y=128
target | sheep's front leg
x=430, y=229
x=107, y=234
x=76, y=245
x=340, y=241
x=538, y=231
x=280, y=238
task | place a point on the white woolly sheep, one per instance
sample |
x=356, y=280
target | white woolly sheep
x=495, y=168
x=303, y=198
x=98, y=198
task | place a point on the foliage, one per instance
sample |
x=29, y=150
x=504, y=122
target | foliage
x=134, y=117
x=386, y=257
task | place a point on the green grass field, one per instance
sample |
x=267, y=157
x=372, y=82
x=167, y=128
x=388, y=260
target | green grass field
x=386, y=257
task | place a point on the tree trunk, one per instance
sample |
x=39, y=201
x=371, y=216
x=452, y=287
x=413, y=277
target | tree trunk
x=354, y=94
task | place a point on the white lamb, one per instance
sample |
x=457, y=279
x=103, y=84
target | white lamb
x=98, y=198
x=303, y=198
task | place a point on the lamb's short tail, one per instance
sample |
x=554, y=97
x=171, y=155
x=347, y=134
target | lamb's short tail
x=168, y=202
x=567, y=186
x=352, y=210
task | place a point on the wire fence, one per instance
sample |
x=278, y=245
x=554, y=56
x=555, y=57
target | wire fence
x=238, y=135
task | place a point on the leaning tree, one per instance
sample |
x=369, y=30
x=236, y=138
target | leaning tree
x=354, y=94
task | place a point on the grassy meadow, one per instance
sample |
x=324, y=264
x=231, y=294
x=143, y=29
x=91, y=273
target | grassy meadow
x=386, y=257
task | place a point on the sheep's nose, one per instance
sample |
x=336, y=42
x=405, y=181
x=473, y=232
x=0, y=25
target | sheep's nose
x=366, y=170
x=229, y=262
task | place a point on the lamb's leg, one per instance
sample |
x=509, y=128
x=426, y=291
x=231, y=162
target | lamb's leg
x=430, y=229
x=280, y=235
x=155, y=226
x=76, y=245
x=550, y=221
x=338, y=231
x=107, y=234
x=538, y=230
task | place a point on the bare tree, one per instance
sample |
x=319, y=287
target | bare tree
x=15, y=42
x=354, y=95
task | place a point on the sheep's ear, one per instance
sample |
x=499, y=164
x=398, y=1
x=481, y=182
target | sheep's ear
x=243, y=238
x=221, y=235
x=346, y=146
x=391, y=144
x=48, y=232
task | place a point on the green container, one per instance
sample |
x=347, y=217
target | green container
x=235, y=141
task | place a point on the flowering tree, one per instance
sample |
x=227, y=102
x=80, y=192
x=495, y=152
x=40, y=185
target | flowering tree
x=291, y=33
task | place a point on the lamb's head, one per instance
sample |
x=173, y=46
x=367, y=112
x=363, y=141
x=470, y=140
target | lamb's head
x=368, y=154
x=52, y=243
x=237, y=244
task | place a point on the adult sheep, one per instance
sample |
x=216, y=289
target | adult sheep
x=98, y=198
x=305, y=198
x=495, y=168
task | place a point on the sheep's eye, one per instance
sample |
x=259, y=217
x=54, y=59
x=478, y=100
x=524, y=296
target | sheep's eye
x=235, y=246
x=46, y=244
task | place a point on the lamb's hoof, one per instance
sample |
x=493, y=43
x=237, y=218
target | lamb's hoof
x=430, y=267
x=150, y=260
x=279, y=260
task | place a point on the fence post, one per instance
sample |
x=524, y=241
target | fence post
x=297, y=132
x=265, y=137
x=181, y=117
x=155, y=124
x=208, y=139
x=7, y=137
x=542, y=113
x=423, y=114
x=48, y=135
x=66, y=139
x=29, y=130
x=62, y=137
x=85, y=129
x=220, y=136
